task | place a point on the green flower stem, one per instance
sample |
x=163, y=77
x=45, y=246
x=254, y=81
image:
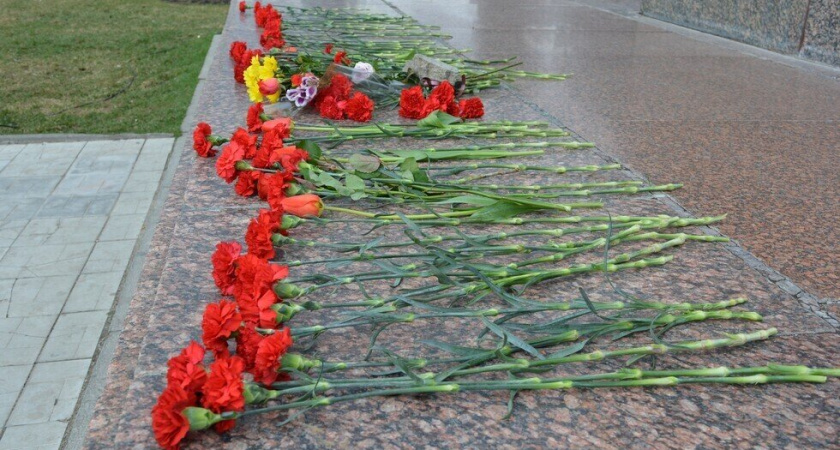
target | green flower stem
x=455, y=222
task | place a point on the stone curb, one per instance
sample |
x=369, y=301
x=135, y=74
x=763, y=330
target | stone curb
x=39, y=138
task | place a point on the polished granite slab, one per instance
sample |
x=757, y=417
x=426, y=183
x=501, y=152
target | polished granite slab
x=201, y=210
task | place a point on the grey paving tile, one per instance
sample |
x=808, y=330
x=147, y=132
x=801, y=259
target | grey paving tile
x=18, y=208
x=8, y=152
x=123, y=227
x=44, y=159
x=59, y=371
x=6, y=287
x=42, y=436
x=61, y=230
x=94, y=292
x=13, y=379
x=133, y=203
x=10, y=229
x=45, y=260
x=39, y=296
x=146, y=181
x=74, y=336
x=22, y=338
x=94, y=205
x=154, y=155
x=27, y=186
x=3, y=164
x=92, y=183
x=109, y=256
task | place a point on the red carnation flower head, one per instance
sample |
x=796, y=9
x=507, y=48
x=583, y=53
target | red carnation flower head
x=246, y=184
x=306, y=205
x=328, y=48
x=341, y=58
x=330, y=109
x=247, y=140
x=243, y=63
x=259, y=233
x=412, y=103
x=297, y=79
x=254, y=275
x=432, y=104
x=360, y=108
x=202, y=146
x=288, y=157
x=246, y=345
x=237, y=49
x=269, y=353
x=254, y=118
x=220, y=321
x=275, y=186
x=187, y=369
x=271, y=37
x=340, y=87
x=224, y=265
x=242, y=6
x=444, y=93
x=223, y=390
x=169, y=423
x=470, y=108
x=226, y=163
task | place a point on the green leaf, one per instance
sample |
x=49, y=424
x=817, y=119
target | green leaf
x=454, y=349
x=501, y=332
x=312, y=148
x=469, y=200
x=570, y=350
x=438, y=119
x=503, y=210
x=364, y=163
x=417, y=174
x=354, y=183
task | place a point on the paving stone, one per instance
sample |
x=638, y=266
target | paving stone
x=87, y=184
x=61, y=230
x=154, y=155
x=42, y=436
x=94, y=292
x=9, y=231
x=44, y=260
x=123, y=227
x=21, y=339
x=133, y=203
x=93, y=205
x=146, y=181
x=8, y=152
x=44, y=159
x=74, y=336
x=13, y=379
x=3, y=164
x=19, y=208
x=109, y=256
x=27, y=186
x=39, y=296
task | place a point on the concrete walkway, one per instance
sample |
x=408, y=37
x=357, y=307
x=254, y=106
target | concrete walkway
x=70, y=217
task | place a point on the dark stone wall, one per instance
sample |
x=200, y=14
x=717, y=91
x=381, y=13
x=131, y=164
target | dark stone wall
x=808, y=28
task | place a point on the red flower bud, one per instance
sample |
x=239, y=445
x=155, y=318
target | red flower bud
x=306, y=205
x=269, y=86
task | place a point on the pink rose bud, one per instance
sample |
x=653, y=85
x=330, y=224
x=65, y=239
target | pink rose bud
x=269, y=86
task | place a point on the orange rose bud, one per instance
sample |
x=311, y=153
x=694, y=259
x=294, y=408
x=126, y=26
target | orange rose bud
x=269, y=86
x=306, y=205
x=283, y=122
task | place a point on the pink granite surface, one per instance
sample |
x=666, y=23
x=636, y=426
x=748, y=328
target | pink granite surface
x=201, y=210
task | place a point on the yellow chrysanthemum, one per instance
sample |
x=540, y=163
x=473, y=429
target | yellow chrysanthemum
x=258, y=71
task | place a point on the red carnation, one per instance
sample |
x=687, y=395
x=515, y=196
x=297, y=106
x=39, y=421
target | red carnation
x=223, y=391
x=271, y=38
x=201, y=145
x=254, y=275
x=341, y=58
x=220, y=321
x=328, y=49
x=444, y=93
x=288, y=157
x=340, y=86
x=246, y=345
x=168, y=421
x=274, y=187
x=360, y=108
x=296, y=79
x=242, y=7
x=330, y=108
x=471, y=108
x=412, y=103
x=224, y=265
x=246, y=184
x=226, y=163
x=247, y=141
x=283, y=126
x=432, y=104
x=260, y=231
x=269, y=353
x=187, y=369
x=254, y=117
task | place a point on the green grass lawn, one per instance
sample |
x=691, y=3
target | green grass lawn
x=63, y=59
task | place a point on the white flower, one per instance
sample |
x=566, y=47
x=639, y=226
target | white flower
x=361, y=72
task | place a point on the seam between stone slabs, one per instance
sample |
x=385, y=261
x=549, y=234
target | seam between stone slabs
x=94, y=385
x=806, y=299
x=48, y=138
